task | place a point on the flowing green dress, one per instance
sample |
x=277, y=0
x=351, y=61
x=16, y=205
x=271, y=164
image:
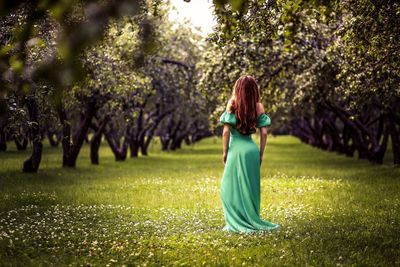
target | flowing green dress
x=240, y=186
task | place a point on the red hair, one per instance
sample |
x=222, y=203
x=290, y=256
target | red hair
x=245, y=99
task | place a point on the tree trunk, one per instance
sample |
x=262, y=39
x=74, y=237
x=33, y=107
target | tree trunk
x=71, y=149
x=120, y=152
x=360, y=143
x=381, y=153
x=21, y=145
x=176, y=143
x=147, y=134
x=94, y=148
x=3, y=141
x=4, y=115
x=165, y=140
x=173, y=144
x=346, y=137
x=147, y=142
x=32, y=164
x=394, y=136
x=187, y=140
x=134, y=148
x=299, y=130
x=333, y=136
x=377, y=153
x=143, y=147
x=96, y=142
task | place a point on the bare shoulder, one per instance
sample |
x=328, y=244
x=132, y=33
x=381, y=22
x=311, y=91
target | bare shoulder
x=260, y=108
x=231, y=101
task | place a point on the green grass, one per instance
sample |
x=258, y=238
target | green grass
x=165, y=209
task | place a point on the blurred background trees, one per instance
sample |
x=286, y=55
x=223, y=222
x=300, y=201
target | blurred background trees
x=328, y=70
x=120, y=72
x=78, y=72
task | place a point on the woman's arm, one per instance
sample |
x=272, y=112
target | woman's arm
x=263, y=141
x=263, y=132
x=225, y=141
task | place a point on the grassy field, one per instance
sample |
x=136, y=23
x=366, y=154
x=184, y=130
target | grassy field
x=165, y=209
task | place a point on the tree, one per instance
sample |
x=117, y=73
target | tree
x=77, y=24
x=320, y=69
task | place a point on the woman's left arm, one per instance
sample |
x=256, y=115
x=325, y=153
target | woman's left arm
x=263, y=141
x=225, y=141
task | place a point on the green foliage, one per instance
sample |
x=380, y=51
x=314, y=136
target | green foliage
x=166, y=210
x=90, y=63
x=314, y=61
x=73, y=24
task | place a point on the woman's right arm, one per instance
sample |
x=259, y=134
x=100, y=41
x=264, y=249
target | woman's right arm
x=225, y=141
x=226, y=131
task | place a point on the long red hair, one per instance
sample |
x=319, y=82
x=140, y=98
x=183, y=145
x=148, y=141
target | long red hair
x=245, y=98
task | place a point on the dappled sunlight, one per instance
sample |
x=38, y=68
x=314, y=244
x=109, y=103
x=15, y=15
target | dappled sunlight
x=136, y=211
x=298, y=185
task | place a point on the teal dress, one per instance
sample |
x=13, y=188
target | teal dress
x=240, y=186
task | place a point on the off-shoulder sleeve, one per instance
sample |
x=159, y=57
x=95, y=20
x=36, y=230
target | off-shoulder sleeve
x=263, y=120
x=228, y=118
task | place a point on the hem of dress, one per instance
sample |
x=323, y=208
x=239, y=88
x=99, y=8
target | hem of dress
x=227, y=228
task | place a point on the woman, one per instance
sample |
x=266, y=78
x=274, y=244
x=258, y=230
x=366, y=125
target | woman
x=240, y=188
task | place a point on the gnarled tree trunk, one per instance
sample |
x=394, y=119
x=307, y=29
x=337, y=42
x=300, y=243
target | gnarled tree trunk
x=120, y=150
x=71, y=148
x=33, y=162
